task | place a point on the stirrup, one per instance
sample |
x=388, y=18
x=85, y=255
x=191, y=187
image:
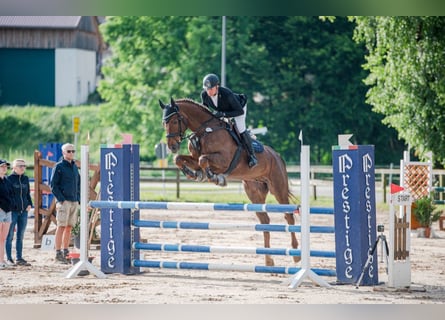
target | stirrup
x=253, y=162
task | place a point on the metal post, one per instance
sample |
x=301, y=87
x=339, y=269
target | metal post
x=223, y=52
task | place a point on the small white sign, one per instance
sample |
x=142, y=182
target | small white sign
x=48, y=242
x=401, y=199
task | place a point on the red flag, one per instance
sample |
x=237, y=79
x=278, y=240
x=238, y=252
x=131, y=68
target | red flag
x=50, y=154
x=395, y=188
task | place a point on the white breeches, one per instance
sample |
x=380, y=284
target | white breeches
x=240, y=121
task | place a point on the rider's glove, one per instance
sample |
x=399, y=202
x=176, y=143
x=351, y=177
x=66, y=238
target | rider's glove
x=219, y=114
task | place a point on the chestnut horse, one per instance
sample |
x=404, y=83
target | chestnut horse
x=216, y=155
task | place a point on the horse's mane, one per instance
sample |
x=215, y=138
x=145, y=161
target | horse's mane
x=188, y=100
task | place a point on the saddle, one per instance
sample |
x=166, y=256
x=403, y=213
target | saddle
x=195, y=140
x=195, y=137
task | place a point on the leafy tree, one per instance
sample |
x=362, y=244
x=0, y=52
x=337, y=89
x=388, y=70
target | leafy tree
x=406, y=58
x=313, y=82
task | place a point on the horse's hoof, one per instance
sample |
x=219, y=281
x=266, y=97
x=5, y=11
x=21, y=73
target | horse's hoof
x=297, y=259
x=221, y=181
x=270, y=262
x=199, y=176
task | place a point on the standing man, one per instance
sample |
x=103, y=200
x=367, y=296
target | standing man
x=65, y=186
x=6, y=204
x=228, y=105
x=22, y=204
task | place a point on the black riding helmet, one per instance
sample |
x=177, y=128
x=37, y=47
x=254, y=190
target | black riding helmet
x=210, y=81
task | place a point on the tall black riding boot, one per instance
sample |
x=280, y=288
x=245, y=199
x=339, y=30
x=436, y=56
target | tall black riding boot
x=252, y=161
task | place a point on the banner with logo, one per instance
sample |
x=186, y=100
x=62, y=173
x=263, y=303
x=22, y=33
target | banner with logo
x=355, y=213
x=119, y=181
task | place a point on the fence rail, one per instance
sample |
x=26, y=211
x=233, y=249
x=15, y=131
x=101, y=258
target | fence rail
x=383, y=176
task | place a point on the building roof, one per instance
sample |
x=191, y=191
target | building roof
x=53, y=22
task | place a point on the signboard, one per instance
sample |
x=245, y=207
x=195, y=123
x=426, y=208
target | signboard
x=161, y=150
x=355, y=212
x=401, y=199
x=119, y=181
x=76, y=124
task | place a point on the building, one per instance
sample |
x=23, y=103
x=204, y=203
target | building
x=49, y=60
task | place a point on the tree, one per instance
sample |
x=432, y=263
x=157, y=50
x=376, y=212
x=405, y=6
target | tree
x=406, y=58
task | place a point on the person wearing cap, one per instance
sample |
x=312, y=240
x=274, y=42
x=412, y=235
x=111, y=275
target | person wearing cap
x=6, y=205
x=19, y=214
x=65, y=186
x=228, y=105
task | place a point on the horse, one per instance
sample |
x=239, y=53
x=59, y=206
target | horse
x=216, y=155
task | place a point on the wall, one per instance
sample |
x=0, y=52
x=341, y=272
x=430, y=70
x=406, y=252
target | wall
x=75, y=76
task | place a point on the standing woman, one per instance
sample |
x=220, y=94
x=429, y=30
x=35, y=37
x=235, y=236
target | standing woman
x=22, y=204
x=6, y=204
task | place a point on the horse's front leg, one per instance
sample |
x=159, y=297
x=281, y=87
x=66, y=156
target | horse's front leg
x=189, y=167
x=208, y=161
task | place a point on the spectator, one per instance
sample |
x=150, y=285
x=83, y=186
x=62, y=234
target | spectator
x=6, y=204
x=22, y=204
x=65, y=186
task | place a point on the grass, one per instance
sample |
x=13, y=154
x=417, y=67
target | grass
x=201, y=192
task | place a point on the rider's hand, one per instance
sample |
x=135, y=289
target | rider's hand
x=219, y=114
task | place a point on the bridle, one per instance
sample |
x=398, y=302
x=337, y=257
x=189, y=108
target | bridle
x=174, y=110
x=168, y=114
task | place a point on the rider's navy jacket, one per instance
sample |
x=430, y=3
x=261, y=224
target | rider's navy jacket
x=22, y=196
x=65, y=181
x=228, y=102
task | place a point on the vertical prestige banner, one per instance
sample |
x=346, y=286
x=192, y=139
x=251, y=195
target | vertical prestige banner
x=119, y=180
x=355, y=213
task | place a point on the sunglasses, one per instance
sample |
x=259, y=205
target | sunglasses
x=21, y=166
x=71, y=151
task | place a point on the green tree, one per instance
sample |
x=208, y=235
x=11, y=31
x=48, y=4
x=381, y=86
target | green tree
x=313, y=82
x=406, y=58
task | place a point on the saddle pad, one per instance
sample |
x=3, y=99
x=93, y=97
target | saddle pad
x=257, y=146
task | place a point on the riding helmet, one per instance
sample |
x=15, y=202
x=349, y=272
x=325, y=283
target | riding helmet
x=210, y=81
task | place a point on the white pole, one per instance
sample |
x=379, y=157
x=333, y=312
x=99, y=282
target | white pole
x=84, y=264
x=305, y=270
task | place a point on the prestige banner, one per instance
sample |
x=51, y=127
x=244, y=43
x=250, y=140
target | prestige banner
x=355, y=213
x=119, y=179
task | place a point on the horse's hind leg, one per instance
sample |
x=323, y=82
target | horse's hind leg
x=257, y=192
x=281, y=193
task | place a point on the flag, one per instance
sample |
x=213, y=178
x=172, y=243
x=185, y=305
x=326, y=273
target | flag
x=395, y=188
x=50, y=154
x=127, y=138
x=300, y=136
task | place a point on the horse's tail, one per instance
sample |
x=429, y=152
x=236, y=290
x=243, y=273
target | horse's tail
x=290, y=196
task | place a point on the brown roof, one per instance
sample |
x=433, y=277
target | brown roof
x=58, y=22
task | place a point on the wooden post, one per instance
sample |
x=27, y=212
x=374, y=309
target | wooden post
x=37, y=198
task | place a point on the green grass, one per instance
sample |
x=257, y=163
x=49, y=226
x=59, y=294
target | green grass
x=201, y=192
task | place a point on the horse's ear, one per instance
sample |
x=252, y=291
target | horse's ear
x=161, y=104
x=172, y=102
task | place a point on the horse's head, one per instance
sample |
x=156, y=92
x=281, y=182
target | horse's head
x=174, y=125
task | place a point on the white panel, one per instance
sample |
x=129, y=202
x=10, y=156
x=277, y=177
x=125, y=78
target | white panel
x=75, y=76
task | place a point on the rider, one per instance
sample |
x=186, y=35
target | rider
x=229, y=105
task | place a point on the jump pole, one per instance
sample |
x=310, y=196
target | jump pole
x=305, y=271
x=84, y=263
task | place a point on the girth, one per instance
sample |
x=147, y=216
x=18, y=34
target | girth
x=195, y=140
